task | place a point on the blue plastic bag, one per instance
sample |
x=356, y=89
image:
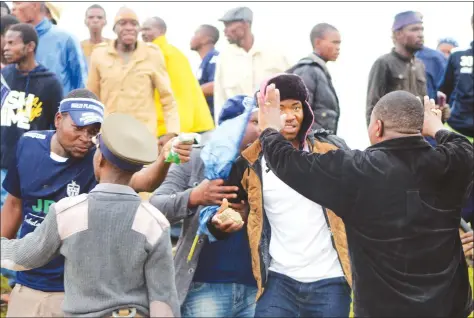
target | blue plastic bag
x=221, y=151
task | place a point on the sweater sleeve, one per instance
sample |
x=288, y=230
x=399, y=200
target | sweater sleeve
x=35, y=249
x=160, y=279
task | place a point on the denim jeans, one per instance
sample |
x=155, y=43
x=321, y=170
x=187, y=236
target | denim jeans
x=286, y=297
x=219, y=300
x=5, y=272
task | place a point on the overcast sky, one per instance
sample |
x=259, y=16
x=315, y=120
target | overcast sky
x=365, y=29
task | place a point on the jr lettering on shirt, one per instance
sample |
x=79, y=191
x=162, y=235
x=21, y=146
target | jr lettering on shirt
x=40, y=179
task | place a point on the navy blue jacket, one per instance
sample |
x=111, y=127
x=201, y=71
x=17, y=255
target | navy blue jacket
x=458, y=85
x=435, y=64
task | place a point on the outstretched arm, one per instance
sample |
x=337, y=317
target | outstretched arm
x=35, y=249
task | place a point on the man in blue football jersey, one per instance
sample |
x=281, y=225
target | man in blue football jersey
x=203, y=42
x=47, y=167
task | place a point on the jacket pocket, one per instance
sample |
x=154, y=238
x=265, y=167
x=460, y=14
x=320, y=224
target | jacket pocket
x=326, y=118
x=399, y=82
x=421, y=84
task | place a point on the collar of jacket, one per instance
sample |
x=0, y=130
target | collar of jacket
x=401, y=57
x=257, y=47
x=410, y=142
x=160, y=41
x=139, y=53
x=253, y=152
x=44, y=26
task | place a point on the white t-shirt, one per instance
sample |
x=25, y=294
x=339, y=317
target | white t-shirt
x=300, y=245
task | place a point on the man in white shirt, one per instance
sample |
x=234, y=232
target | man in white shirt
x=298, y=247
x=245, y=62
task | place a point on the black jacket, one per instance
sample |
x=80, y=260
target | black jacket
x=322, y=96
x=401, y=202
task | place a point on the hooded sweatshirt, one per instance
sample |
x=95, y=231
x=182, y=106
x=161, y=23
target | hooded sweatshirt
x=61, y=53
x=31, y=104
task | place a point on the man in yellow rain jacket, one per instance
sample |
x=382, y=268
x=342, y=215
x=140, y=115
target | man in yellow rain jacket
x=192, y=106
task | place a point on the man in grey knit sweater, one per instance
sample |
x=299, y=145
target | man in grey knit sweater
x=117, y=249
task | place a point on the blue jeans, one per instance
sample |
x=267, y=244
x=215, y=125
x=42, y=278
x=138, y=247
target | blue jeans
x=5, y=272
x=219, y=300
x=286, y=297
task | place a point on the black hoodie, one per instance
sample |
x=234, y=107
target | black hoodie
x=31, y=104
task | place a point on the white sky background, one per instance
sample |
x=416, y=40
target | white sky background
x=365, y=29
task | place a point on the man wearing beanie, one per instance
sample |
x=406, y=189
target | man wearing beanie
x=399, y=69
x=126, y=72
x=218, y=272
x=117, y=249
x=298, y=247
x=52, y=165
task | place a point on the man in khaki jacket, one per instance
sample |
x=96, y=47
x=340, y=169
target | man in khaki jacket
x=125, y=73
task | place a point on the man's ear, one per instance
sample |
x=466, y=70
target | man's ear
x=102, y=160
x=379, y=127
x=57, y=120
x=30, y=47
x=317, y=42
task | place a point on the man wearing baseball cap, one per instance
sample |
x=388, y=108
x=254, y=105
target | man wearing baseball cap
x=139, y=279
x=245, y=62
x=47, y=167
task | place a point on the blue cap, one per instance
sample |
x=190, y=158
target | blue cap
x=235, y=106
x=406, y=18
x=83, y=111
x=450, y=41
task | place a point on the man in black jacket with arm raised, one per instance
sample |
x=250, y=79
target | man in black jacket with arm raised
x=400, y=200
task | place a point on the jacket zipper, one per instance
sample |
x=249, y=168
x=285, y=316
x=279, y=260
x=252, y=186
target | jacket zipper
x=333, y=241
x=263, y=272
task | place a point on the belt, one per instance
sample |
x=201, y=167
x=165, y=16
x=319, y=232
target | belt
x=125, y=312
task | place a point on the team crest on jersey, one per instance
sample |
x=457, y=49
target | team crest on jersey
x=73, y=189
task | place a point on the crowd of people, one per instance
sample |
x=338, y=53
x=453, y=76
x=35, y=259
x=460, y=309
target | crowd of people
x=87, y=220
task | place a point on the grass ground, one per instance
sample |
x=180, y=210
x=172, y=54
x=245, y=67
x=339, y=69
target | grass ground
x=4, y=289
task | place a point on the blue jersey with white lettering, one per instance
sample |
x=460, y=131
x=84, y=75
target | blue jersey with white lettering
x=206, y=73
x=40, y=179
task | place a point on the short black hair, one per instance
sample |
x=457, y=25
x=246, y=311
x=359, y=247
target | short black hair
x=6, y=22
x=211, y=31
x=27, y=32
x=96, y=6
x=160, y=23
x=82, y=93
x=3, y=4
x=320, y=30
x=400, y=111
